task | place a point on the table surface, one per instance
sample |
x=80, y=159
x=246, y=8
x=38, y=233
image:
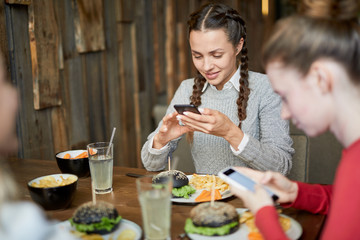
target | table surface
x=125, y=199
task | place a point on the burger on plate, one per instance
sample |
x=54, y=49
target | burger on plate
x=217, y=220
x=101, y=218
x=181, y=187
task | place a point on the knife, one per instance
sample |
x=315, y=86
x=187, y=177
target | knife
x=135, y=175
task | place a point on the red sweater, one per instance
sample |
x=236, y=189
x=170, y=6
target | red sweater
x=340, y=201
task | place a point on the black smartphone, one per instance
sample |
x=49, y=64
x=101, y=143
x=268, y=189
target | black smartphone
x=181, y=108
x=238, y=179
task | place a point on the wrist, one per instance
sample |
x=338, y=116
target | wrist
x=294, y=191
x=157, y=143
x=234, y=136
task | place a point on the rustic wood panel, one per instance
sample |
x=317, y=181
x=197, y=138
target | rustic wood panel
x=156, y=46
x=111, y=74
x=44, y=46
x=159, y=50
x=170, y=45
x=4, y=48
x=59, y=129
x=124, y=134
x=136, y=93
x=118, y=86
x=127, y=93
x=182, y=57
x=89, y=27
x=72, y=80
x=147, y=92
x=34, y=127
x=95, y=96
x=128, y=10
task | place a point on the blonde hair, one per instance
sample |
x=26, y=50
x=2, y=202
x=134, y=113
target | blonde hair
x=8, y=187
x=322, y=29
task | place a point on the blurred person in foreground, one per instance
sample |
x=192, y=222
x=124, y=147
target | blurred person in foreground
x=312, y=60
x=19, y=220
x=240, y=121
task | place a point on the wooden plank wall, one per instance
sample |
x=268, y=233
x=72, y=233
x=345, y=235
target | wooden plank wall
x=115, y=59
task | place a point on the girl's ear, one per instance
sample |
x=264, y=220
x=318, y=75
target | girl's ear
x=239, y=46
x=322, y=76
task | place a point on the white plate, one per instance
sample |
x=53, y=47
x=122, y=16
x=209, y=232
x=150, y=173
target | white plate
x=124, y=224
x=294, y=232
x=191, y=199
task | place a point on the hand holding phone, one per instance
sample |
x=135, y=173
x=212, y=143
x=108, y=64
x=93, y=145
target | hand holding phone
x=233, y=177
x=181, y=108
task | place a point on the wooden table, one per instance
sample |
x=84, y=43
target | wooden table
x=124, y=197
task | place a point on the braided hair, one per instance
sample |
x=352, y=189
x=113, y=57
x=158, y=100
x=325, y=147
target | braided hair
x=220, y=16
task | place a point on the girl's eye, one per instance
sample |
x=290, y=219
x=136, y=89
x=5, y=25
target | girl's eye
x=197, y=56
x=217, y=56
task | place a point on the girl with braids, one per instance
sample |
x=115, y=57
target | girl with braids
x=312, y=60
x=240, y=122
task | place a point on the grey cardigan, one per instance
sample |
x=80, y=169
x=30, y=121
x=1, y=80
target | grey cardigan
x=269, y=146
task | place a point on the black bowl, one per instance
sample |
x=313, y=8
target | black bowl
x=78, y=166
x=52, y=198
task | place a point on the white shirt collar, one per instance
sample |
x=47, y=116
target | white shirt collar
x=233, y=82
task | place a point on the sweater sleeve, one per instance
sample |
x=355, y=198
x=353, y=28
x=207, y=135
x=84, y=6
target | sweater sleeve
x=314, y=198
x=271, y=150
x=156, y=160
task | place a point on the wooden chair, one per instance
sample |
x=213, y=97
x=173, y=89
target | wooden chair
x=300, y=161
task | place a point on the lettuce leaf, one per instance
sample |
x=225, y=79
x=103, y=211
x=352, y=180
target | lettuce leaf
x=105, y=223
x=183, y=191
x=208, y=231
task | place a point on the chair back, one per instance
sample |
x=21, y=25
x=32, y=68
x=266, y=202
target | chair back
x=300, y=160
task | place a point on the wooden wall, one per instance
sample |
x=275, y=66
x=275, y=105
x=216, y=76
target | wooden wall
x=83, y=67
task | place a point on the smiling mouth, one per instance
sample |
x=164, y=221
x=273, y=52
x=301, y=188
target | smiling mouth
x=212, y=76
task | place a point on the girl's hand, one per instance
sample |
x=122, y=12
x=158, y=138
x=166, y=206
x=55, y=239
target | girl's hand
x=169, y=130
x=254, y=201
x=215, y=123
x=286, y=189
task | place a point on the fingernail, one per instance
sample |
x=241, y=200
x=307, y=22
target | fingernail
x=185, y=113
x=178, y=117
x=201, y=110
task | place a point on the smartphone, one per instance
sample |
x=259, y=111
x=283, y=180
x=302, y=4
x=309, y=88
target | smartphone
x=181, y=108
x=238, y=179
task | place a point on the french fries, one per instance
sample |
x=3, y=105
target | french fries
x=249, y=219
x=206, y=182
x=50, y=181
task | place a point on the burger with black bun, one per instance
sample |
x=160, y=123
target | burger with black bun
x=181, y=187
x=217, y=220
x=100, y=218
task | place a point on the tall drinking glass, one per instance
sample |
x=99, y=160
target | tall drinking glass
x=155, y=201
x=101, y=166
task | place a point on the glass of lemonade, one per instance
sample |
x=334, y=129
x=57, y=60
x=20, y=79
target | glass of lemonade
x=155, y=201
x=101, y=166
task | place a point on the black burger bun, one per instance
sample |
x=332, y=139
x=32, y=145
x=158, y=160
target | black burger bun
x=88, y=214
x=221, y=213
x=179, y=178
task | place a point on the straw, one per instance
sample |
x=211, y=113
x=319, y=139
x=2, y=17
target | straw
x=111, y=140
x=93, y=192
x=169, y=160
x=213, y=192
x=174, y=162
